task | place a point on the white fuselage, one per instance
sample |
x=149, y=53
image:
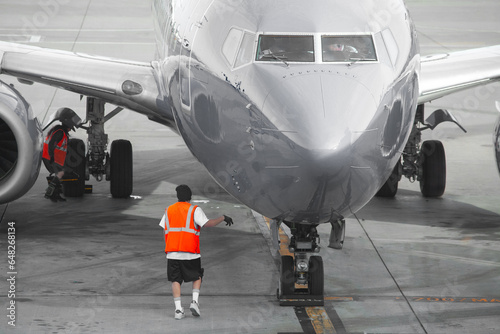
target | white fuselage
x=296, y=136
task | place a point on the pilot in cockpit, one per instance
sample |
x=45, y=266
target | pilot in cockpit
x=348, y=48
x=286, y=48
x=338, y=52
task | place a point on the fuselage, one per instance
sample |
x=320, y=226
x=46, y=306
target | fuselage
x=264, y=100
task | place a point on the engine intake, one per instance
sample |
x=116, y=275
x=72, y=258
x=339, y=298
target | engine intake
x=20, y=145
x=8, y=150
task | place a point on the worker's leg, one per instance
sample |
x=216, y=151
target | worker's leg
x=194, y=307
x=197, y=284
x=57, y=180
x=54, y=189
x=174, y=276
x=196, y=289
x=176, y=289
x=60, y=175
x=176, y=292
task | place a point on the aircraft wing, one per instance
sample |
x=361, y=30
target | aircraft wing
x=445, y=74
x=132, y=85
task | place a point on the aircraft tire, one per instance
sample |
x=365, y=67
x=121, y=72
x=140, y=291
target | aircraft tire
x=75, y=161
x=433, y=181
x=121, y=172
x=316, y=276
x=390, y=187
x=287, y=275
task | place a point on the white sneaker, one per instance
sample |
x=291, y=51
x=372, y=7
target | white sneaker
x=179, y=314
x=195, y=308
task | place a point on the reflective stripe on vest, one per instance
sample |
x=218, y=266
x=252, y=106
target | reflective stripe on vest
x=60, y=149
x=186, y=228
x=182, y=234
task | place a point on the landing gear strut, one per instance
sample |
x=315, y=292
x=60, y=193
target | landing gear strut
x=424, y=162
x=115, y=166
x=302, y=275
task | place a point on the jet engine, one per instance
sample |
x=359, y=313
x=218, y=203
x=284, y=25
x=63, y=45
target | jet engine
x=21, y=142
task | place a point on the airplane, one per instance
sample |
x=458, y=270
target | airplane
x=302, y=112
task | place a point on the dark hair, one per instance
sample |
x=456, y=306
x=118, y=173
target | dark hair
x=183, y=193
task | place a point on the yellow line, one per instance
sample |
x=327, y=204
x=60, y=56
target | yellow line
x=320, y=320
x=284, y=241
x=350, y=299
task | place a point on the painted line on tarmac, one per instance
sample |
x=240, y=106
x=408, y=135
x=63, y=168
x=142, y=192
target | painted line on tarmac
x=450, y=257
x=320, y=320
x=453, y=300
x=424, y=299
x=304, y=319
x=336, y=321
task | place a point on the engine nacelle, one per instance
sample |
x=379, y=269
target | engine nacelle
x=496, y=143
x=21, y=142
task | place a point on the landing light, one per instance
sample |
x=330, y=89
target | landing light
x=302, y=266
x=131, y=88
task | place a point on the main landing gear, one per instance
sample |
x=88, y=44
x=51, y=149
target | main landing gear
x=301, y=271
x=424, y=162
x=115, y=166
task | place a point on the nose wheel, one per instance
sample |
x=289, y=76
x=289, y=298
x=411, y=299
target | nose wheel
x=287, y=275
x=301, y=274
x=316, y=276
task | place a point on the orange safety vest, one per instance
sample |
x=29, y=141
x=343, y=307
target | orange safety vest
x=182, y=234
x=60, y=149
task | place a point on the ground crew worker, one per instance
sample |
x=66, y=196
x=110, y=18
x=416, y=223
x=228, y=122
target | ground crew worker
x=181, y=223
x=55, y=148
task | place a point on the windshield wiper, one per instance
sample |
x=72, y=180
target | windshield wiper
x=353, y=61
x=269, y=54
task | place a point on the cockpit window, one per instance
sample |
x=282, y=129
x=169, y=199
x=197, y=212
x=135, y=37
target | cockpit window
x=348, y=48
x=282, y=48
x=238, y=47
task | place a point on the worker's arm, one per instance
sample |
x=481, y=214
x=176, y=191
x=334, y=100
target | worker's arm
x=56, y=138
x=216, y=221
x=162, y=225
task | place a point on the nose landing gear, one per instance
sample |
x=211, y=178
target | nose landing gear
x=301, y=273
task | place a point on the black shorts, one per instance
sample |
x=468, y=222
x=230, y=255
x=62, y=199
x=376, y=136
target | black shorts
x=184, y=270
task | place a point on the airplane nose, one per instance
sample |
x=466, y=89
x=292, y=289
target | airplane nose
x=317, y=111
x=321, y=166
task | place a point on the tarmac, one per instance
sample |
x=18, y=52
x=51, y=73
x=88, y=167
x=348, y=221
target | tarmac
x=96, y=264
